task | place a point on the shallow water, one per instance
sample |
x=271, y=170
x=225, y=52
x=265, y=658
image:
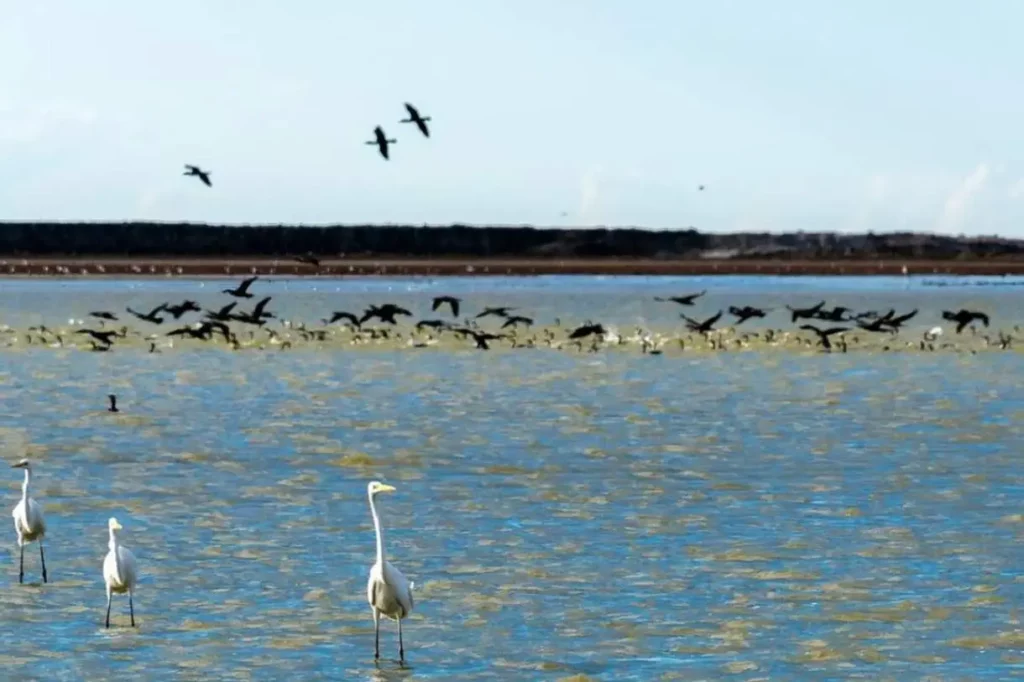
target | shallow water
x=606, y=516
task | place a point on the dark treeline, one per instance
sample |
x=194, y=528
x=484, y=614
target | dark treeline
x=360, y=241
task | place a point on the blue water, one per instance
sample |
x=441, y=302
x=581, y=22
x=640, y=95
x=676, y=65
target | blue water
x=611, y=516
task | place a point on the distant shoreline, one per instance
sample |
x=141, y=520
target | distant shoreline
x=440, y=267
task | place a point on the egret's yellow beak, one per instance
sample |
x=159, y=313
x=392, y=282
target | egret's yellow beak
x=385, y=488
x=114, y=525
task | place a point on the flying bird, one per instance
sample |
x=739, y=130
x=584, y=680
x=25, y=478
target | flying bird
x=119, y=570
x=201, y=174
x=414, y=117
x=682, y=300
x=823, y=334
x=452, y=302
x=387, y=590
x=242, y=290
x=381, y=141
x=28, y=521
x=964, y=317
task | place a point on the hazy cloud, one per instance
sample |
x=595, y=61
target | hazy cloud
x=960, y=199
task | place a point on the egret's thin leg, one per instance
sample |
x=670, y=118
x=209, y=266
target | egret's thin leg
x=401, y=646
x=42, y=558
x=376, y=635
x=108, y=608
x=131, y=609
x=21, y=565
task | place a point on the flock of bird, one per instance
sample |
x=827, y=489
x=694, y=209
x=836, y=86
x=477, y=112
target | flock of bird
x=380, y=140
x=825, y=327
x=388, y=591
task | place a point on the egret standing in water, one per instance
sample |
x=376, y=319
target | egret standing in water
x=28, y=521
x=387, y=591
x=119, y=570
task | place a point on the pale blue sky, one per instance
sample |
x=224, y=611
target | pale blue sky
x=796, y=114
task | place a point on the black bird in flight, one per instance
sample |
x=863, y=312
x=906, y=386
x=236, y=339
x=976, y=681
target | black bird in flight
x=452, y=302
x=745, y=313
x=585, y=330
x=385, y=313
x=342, y=315
x=682, y=300
x=381, y=141
x=182, y=308
x=433, y=324
x=309, y=258
x=823, y=334
x=257, y=316
x=702, y=327
x=104, y=315
x=895, y=322
x=242, y=290
x=481, y=338
x=517, y=320
x=808, y=313
x=964, y=317
x=222, y=315
x=414, y=117
x=501, y=311
x=113, y=403
x=201, y=174
x=105, y=337
x=152, y=316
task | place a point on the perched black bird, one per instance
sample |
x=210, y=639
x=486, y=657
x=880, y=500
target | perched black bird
x=452, y=302
x=414, y=117
x=823, y=334
x=342, y=315
x=501, y=311
x=385, y=313
x=381, y=141
x=682, y=300
x=242, y=290
x=201, y=174
x=808, y=313
x=517, y=320
x=113, y=403
x=152, y=316
x=585, y=330
x=964, y=317
x=745, y=313
x=702, y=327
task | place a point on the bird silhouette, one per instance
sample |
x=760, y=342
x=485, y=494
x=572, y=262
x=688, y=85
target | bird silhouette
x=414, y=117
x=452, y=302
x=201, y=174
x=242, y=290
x=823, y=334
x=682, y=300
x=382, y=141
x=964, y=317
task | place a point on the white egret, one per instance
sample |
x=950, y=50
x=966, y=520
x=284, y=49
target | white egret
x=28, y=521
x=119, y=570
x=387, y=591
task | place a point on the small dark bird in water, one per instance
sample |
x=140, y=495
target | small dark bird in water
x=113, y=403
x=201, y=174
x=381, y=141
x=964, y=317
x=702, y=327
x=745, y=313
x=242, y=290
x=342, y=315
x=517, y=320
x=452, y=302
x=681, y=300
x=308, y=259
x=152, y=316
x=104, y=315
x=808, y=313
x=385, y=313
x=414, y=117
x=182, y=308
x=501, y=311
x=585, y=330
x=823, y=334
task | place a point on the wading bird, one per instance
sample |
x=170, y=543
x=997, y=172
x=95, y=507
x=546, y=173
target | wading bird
x=381, y=141
x=119, y=570
x=387, y=590
x=28, y=521
x=414, y=117
x=201, y=174
x=113, y=403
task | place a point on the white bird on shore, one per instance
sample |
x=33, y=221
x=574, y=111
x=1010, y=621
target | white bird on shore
x=387, y=590
x=119, y=570
x=28, y=521
x=933, y=333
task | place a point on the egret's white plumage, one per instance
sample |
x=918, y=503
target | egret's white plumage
x=387, y=590
x=29, y=523
x=119, y=571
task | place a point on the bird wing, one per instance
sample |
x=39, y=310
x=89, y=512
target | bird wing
x=412, y=111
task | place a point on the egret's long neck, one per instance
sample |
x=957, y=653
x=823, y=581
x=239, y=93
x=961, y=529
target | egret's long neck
x=380, y=533
x=113, y=545
x=26, y=484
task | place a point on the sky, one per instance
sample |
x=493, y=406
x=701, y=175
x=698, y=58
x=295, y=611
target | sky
x=794, y=114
